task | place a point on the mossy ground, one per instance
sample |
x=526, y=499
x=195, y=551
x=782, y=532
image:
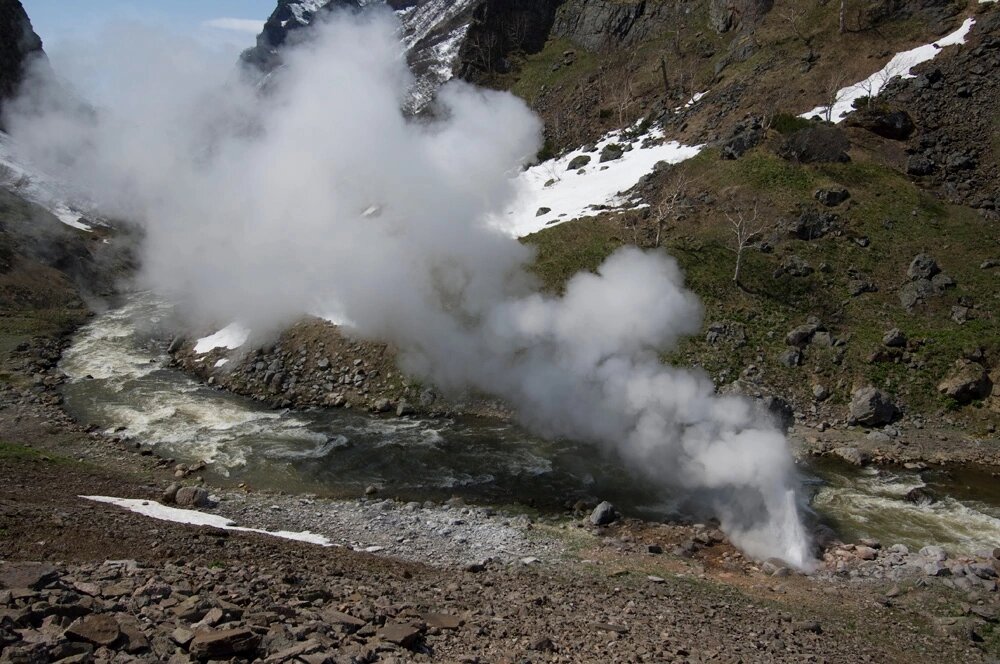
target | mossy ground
x=887, y=221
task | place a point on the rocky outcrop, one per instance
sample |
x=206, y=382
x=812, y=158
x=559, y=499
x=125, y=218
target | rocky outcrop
x=727, y=15
x=18, y=45
x=952, y=102
x=597, y=24
x=499, y=28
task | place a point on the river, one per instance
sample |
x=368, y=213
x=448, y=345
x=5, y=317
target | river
x=121, y=381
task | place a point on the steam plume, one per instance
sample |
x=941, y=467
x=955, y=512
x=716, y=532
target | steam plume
x=255, y=208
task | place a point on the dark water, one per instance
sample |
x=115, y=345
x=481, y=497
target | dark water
x=119, y=379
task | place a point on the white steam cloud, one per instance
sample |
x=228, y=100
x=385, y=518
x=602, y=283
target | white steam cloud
x=254, y=205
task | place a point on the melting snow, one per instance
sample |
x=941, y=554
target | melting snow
x=224, y=361
x=900, y=65
x=37, y=187
x=693, y=100
x=572, y=194
x=155, y=510
x=230, y=337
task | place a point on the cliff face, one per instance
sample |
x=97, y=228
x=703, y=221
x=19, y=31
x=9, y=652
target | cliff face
x=499, y=28
x=18, y=44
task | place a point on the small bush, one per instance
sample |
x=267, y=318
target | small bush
x=786, y=123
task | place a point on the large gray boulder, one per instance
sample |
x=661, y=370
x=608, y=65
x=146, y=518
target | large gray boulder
x=872, y=407
x=604, y=514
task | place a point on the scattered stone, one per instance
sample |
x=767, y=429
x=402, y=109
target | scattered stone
x=820, y=393
x=444, y=621
x=542, y=211
x=218, y=644
x=544, y=644
x=919, y=165
x=791, y=357
x=402, y=634
x=404, y=409
x=578, y=162
x=866, y=552
x=922, y=266
x=832, y=197
x=100, y=629
x=934, y=553
x=801, y=335
x=169, y=495
x=34, y=576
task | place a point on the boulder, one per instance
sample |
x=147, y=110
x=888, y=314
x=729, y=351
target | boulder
x=920, y=495
x=894, y=338
x=28, y=576
x=224, y=643
x=919, y=165
x=404, y=409
x=192, y=496
x=603, y=514
x=967, y=382
x=100, y=629
x=871, y=407
x=916, y=292
x=812, y=224
x=578, y=162
x=852, y=455
x=894, y=125
x=801, y=335
x=923, y=266
x=820, y=144
x=790, y=358
x=611, y=152
x=170, y=494
x=832, y=197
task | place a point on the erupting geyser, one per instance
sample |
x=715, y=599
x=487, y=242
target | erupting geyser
x=254, y=205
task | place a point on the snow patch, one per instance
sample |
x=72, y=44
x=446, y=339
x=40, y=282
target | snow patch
x=573, y=194
x=37, y=187
x=221, y=363
x=230, y=337
x=900, y=65
x=155, y=510
x=698, y=96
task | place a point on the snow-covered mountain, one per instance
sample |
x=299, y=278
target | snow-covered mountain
x=443, y=38
x=433, y=32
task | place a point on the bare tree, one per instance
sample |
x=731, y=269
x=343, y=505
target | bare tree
x=671, y=206
x=843, y=16
x=747, y=226
x=832, y=94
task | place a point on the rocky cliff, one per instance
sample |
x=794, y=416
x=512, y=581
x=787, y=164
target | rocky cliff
x=18, y=44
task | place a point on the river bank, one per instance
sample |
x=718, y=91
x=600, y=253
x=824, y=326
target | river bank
x=114, y=585
x=424, y=580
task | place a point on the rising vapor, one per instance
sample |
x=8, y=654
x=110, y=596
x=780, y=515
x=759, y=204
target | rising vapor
x=257, y=207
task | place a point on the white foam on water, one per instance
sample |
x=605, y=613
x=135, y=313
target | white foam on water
x=873, y=504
